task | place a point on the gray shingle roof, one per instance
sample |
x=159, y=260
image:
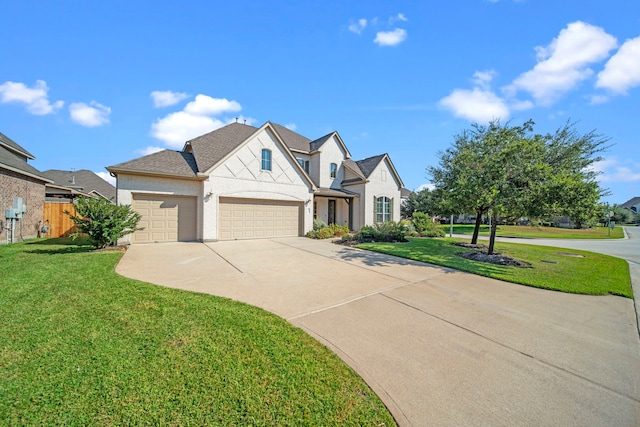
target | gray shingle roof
x=632, y=202
x=369, y=164
x=314, y=145
x=12, y=160
x=14, y=146
x=212, y=147
x=293, y=140
x=405, y=192
x=353, y=166
x=82, y=180
x=165, y=162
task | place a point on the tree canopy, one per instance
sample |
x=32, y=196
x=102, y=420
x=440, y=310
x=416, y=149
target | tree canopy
x=513, y=172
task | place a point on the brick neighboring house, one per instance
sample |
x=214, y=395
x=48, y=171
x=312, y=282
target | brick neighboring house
x=20, y=179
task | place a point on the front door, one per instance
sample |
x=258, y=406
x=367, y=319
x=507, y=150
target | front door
x=332, y=212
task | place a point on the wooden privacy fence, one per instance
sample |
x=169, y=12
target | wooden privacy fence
x=57, y=222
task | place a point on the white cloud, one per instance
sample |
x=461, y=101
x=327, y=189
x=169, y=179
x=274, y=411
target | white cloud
x=197, y=118
x=598, y=99
x=35, y=98
x=622, y=71
x=167, y=98
x=483, y=78
x=564, y=63
x=206, y=105
x=390, y=38
x=149, y=150
x=90, y=115
x=398, y=17
x=429, y=187
x=291, y=126
x=612, y=170
x=477, y=105
x=357, y=27
x=107, y=177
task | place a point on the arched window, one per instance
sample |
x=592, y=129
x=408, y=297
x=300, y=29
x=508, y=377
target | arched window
x=334, y=170
x=383, y=209
x=266, y=159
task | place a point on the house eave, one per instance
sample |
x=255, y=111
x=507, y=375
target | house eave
x=198, y=177
x=21, y=172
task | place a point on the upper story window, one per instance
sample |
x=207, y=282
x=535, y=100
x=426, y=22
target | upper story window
x=304, y=164
x=334, y=170
x=383, y=209
x=266, y=159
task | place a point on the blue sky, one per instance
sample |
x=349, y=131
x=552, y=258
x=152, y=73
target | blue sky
x=85, y=85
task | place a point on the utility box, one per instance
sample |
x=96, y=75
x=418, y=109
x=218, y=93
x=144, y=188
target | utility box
x=19, y=207
x=11, y=213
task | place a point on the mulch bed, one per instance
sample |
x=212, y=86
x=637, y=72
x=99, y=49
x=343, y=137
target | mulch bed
x=496, y=258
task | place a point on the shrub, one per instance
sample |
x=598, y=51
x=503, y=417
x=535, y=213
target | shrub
x=368, y=233
x=103, y=221
x=425, y=227
x=318, y=224
x=327, y=232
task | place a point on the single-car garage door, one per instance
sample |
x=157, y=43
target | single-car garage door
x=165, y=218
x=254, y=219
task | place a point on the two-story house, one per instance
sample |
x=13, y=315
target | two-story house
x=243, y=182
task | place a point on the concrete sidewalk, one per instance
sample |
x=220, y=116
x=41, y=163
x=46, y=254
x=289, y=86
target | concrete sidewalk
x=439, y=347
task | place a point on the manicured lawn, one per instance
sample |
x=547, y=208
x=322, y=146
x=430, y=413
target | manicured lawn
x=80, y=345
x=595, y=274
x=526, y=231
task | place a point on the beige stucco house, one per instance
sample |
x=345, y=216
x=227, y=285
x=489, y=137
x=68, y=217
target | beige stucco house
x=243, y=182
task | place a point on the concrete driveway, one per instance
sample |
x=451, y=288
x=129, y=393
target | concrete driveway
x=439, y=347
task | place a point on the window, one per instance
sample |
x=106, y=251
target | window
x=266, y=159
x=334, y=170
x=383, y=209
x=304, y=164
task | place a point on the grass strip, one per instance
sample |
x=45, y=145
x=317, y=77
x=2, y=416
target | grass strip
x=529, y=232
x=81, y=345
x=551, y=268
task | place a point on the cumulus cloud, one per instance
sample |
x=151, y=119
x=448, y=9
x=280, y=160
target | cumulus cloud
x=90, y=115
x=564, y=63
x=107, y=177
x=291, y=126
x=622, y=71
x=357, y=27
x=398, y=17
x=167, y=98
x=476, y=105
x=198, y=117
x=149, y=150
x=428, y=186
x=613, y=170
x=35, y=98
x=390, y=38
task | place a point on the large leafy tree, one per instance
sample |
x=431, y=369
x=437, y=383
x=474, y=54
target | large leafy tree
x=512, y=172
x=103, y=221
x=419, y=201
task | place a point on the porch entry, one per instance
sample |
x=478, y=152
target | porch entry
x=332, y=212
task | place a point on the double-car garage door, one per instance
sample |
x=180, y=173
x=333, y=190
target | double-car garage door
x=254, y=219
x=167, y=218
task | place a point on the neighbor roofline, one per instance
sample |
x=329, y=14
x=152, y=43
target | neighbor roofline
x=25, y=173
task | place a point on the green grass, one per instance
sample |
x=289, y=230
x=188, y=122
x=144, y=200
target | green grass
x=528, y=232
x=595, y=274
x=81, y=345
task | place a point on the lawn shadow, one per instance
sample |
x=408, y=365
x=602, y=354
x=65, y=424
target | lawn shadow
x=378, y=259
x=69, y=246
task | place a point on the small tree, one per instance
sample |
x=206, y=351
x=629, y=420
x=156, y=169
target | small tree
x=103, y=221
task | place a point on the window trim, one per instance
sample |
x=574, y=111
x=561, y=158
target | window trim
x=383, y=209
x=333, y=170
x=265, y=159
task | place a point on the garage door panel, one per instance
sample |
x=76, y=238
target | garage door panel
x=165, y=218
x=252, y=218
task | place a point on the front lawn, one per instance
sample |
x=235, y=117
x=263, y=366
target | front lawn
x=81, y=345
x=528, y=232
x=592, y=274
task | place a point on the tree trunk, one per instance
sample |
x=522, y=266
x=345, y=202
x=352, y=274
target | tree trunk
x=476, y=229
x=494, y=227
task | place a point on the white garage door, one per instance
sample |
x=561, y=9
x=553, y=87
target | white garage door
x=165, y=218
x=254, y=219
